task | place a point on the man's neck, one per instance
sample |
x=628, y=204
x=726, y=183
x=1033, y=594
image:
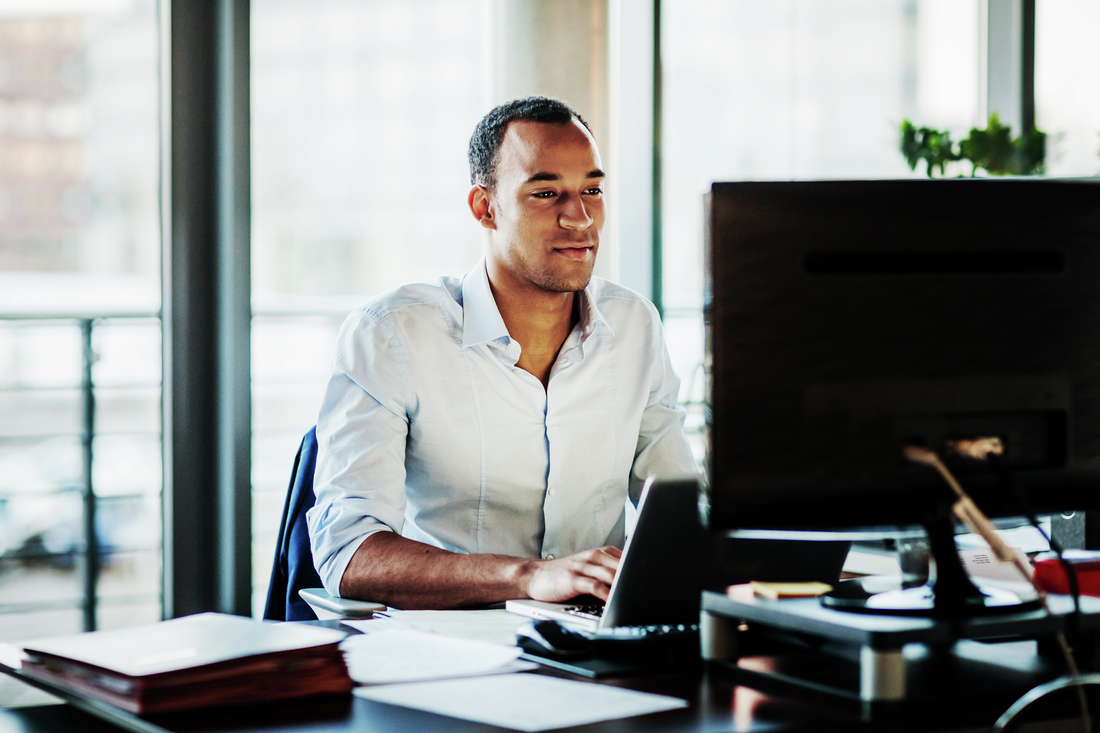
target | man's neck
x=539, y=320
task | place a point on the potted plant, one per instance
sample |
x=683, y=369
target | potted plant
x=992, y=150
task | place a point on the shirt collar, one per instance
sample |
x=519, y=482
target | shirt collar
x=481, y=320
x=590, y=314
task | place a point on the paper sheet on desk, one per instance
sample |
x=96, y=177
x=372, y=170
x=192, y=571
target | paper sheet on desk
x=397, y=655
x=491, y=625
x=984, y=566
x=526, y=702
x=1026, y=538
x=982, y=563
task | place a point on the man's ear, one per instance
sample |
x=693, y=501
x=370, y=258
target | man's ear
x=481, y=206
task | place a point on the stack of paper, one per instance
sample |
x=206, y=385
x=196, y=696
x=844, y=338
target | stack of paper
x=493, y=625
x=398, y=655
x=191, y=662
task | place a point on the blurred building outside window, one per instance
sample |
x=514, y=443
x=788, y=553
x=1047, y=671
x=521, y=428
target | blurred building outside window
x=79, y=239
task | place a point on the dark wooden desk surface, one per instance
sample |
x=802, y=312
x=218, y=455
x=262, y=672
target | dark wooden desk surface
x=715, y=704
x=718, y=700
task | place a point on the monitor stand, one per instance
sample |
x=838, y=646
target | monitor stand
x=902, y=666
x=950, y=593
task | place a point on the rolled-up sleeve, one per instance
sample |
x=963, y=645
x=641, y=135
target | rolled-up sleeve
x=663, y=449
x=362, y=430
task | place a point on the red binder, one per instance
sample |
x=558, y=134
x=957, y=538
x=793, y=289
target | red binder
x=1052, y=575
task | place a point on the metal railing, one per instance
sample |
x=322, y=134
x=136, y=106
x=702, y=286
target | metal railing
x=91, y=551
x=324, y=314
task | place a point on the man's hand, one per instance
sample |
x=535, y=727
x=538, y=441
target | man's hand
x=589, y=572
x=403, y=573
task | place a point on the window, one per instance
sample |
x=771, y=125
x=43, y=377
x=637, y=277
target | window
x=361, y=112
x=795, y=89
x=1067, y=73
x=79, y=266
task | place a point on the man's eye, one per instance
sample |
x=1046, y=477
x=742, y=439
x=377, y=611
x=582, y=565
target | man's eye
x=544, y=194
x=596, y=191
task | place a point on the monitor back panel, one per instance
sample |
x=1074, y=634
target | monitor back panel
x=848, y=319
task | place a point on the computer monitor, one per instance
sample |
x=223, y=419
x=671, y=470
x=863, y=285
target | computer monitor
x=845, y=320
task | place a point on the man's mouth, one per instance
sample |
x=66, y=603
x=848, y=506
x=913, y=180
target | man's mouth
x=574, y=253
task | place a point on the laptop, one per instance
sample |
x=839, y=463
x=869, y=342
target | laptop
x=670, y=558
x=660, y=575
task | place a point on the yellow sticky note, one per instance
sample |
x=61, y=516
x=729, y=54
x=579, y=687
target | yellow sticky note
x=776, y=591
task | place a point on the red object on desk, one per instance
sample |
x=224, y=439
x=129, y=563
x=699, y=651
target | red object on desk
x=1052, y=576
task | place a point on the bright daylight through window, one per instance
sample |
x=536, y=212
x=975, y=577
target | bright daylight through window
x=360, y=115
x=80, y=374
x=361, y=112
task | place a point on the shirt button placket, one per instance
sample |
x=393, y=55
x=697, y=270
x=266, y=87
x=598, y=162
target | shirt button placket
x=551, y=507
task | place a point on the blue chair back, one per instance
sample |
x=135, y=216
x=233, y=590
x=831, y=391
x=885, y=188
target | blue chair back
x=293, y=567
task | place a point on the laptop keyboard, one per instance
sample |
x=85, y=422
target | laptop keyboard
x=651, y=633
x=591, y=611
x=666, y=632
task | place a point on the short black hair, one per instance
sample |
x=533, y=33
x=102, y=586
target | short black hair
x=489, y=133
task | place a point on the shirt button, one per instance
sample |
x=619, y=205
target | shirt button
x=549, y=557
x=550, y=491
x=516, y=370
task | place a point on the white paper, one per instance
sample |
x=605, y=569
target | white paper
x=982, y=563
x=11, y=656
x=1027, y=538
x=984, y=567
x=397, y=655
x=860, y=562
x=527, y=702
x=492, y=625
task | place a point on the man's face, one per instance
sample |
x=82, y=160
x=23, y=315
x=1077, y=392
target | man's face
x=548, y=209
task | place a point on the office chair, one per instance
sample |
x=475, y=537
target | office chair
x=295, y=592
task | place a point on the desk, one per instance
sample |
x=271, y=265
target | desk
x=716, y=703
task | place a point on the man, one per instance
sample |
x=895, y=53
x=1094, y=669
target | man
x=479, y=438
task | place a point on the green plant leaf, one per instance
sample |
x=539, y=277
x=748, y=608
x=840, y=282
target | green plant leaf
x=993, y=149
x=990, y=149
x=932, y=146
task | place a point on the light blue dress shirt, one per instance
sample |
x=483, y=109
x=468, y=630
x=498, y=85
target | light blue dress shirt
x=428, y=428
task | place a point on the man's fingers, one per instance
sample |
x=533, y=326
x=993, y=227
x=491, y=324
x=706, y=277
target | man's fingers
x=602, y=573
x=590, y=572
x=592, y=587
x=601, y=564
x=608, y=557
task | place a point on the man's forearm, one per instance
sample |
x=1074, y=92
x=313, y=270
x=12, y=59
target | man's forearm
x=391, y=569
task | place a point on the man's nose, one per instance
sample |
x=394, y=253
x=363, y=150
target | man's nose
x=574, y=214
